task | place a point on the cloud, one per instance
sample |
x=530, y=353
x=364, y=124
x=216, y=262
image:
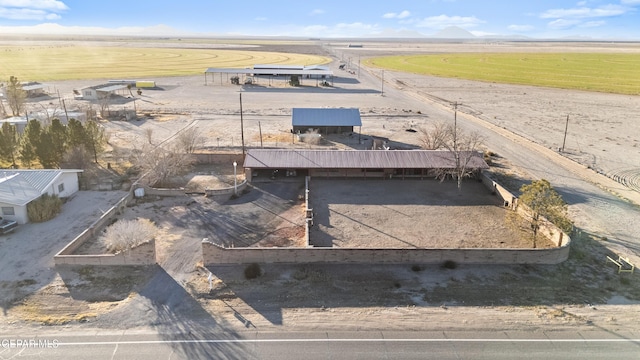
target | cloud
x=51, y=5
x=27, y=14
x=317, y=12
x=57, y=29
x=520, y=28
x=31, y=9
x=401, y=15
x=562, y=24
x=585, y=12
x=443, y=21
x=591, y=24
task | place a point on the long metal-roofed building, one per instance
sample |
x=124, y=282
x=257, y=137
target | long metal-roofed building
x=325, y=120
x=357, y=163
x=311, y=71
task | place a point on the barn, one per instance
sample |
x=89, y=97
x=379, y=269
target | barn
x=325, y=120
x=20, y=187
x=388, y=164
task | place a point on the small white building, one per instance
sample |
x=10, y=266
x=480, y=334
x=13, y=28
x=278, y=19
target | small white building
x=20, y=187
x=100, y=91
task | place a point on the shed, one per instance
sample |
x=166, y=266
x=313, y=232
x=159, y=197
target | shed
x=20, y=187
x=325, y=120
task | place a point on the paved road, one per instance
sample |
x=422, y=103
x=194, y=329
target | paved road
x=327, y=345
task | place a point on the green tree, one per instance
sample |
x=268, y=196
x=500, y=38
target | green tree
x=45, y=150
x=75, y=134
x=9, y=143
x=95, y=138
x=545, y=202
x=59, y=138
x=16, y=96
x=30, y=143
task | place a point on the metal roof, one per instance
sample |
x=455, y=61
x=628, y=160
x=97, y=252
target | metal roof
x=111, y=88
x=277, y=66
x=268, y=71
x=32, y=86
x=326, y=117
x=19, y=187
x=357, y=159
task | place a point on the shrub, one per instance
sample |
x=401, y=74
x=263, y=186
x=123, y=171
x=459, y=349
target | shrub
x=252, y=271
x=45, y=208
x=416, y=268
x=449, y=264
x=127, y=234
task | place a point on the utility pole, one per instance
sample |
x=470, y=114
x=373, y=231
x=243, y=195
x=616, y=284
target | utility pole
x=358, y=66
x=382, y=87
x=566, y=127
x=260, y=127
x=455, y=126
x=241, y=125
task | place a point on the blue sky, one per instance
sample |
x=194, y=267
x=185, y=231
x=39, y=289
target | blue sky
x=606, y=19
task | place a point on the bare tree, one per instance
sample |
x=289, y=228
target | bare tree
x=148, y=134
x=436, y=137
x=463, y=146
x=190, y=140
x=158, y=166
x=104, y=100
x=16, y=96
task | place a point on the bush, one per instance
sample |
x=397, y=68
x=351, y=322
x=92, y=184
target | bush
x=252, y=271
x=45, y=208
x=127, y=234
x=449, y=264
x=416, y=268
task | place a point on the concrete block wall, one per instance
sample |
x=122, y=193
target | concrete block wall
x=214, y=254
x=143, y=254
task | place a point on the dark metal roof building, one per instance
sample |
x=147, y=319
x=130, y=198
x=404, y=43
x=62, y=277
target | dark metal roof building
x=325, y=120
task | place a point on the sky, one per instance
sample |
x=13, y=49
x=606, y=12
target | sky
x=538, y=19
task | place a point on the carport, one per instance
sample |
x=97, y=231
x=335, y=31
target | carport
x=387, y=164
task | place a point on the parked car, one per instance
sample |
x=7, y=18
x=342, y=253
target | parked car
x=7, y=226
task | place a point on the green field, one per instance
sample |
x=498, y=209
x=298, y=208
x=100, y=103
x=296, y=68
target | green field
x=49, y=63
x=613, y=73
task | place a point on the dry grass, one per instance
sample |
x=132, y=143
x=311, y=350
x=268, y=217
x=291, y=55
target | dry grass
x=50, y=63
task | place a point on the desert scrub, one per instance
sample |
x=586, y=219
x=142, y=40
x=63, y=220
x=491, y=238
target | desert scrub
x=127, y=234
x=45, y=208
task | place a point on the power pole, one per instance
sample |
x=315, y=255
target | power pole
x=382, y=87
x=241, y=125
x=566, y=127
x=455, y=126
x=260, y=127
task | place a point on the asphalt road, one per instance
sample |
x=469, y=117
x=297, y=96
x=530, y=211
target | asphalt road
x=327, y=345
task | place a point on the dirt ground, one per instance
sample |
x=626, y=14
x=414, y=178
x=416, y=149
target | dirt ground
x=410, y=214
x=580, y=293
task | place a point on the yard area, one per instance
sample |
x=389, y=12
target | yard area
x=411, y=214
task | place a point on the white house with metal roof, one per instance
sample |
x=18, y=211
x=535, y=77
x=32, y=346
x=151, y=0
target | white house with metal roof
x=325, y=120
x=101, y=91
x=20, y=187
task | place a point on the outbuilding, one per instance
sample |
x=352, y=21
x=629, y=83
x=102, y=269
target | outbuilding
x=325, y=120
x=388, y=164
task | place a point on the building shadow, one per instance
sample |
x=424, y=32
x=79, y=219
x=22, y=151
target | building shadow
x=180, y=320
x=585, y=279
